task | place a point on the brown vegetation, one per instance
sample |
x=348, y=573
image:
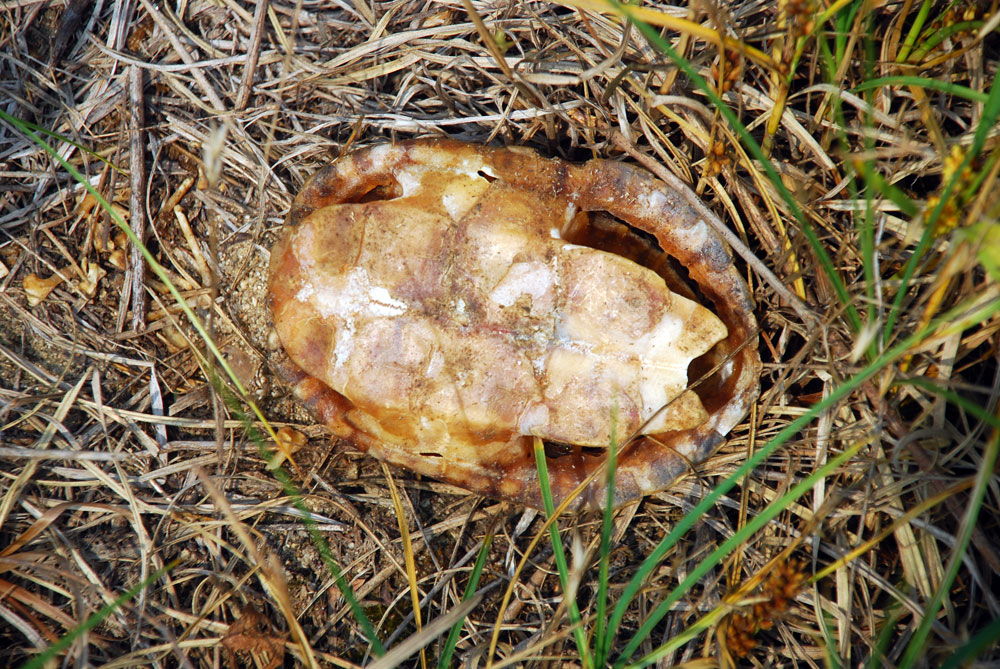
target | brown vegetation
x=127, y=452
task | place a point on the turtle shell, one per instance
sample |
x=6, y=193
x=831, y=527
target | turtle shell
x=443, y=305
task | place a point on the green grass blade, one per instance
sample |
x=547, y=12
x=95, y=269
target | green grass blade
x=985, y=639
x=470, y=590
x=50, y=653
x=153, y=264
x=864, y=221
x=957, y=90
x=560, y=556
x=600, y=640
x=79, y=147
x=768, y=514
x=953, y=398
x=865, y=225
x=941, y=34
x=754, y=148
x=886, y=632
x=157, y=269
x=913, y=654
x=955, y=320
x=290, y=490
x=842, y=28
x=914, y=32
x=879, y=183
x=991, y=111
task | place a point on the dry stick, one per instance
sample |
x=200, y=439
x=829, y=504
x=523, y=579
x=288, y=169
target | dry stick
x=137, y=210
x=253, y=53
x=803, y=311
x=60, y=454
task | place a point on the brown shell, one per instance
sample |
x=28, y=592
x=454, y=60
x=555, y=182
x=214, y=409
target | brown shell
x=608, y=191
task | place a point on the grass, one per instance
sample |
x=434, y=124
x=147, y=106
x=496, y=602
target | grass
x=853, y=148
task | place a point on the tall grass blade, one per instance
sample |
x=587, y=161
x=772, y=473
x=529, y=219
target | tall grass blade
x=470, y=590
x=991, y=112
x=955, y=320
x=913, y=654
x=768, y=514
x=560, y=556
x=49, y=654
x=607, y=524
x=985, y=639
x=946, y=87
x=754, y=148
x=290, y=489
x=282, y=477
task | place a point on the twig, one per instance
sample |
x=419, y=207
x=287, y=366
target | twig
x=60, y=454
x=804, y=312
x=253, y=53
x=137, y=209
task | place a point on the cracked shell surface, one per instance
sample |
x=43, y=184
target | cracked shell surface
x=436, y=312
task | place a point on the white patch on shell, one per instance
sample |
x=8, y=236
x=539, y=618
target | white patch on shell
x=345, y=298
x=569, y=213
x=453, y=205
x=539, y=362
x=532, y=278
x=436, y=365
x=461, y=194
x=664, y=367
x=471, y=166
x=652, y=200
x=384, y=304
x=730, y=417
x=467, y=164
x=693, y=238
x=305, y=292
x=660, y=343
x=535, y=416
x=379, y=157
x=304, y=241
x=353, y=294
x=409, y=181
x=344, y=344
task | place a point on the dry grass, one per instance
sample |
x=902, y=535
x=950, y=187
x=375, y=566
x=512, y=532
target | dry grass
x=118, y=460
